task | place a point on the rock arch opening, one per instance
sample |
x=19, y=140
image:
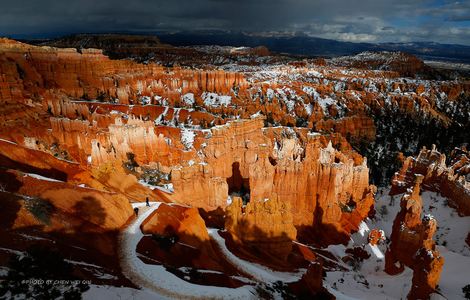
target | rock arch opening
x=238, y=185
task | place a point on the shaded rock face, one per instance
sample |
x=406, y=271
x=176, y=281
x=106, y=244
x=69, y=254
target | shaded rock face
x=180, y=230
x=267, y=225
x=450, y=180
x=310, y=285
x=114, y=45
x=412, y=245
x=41, y=178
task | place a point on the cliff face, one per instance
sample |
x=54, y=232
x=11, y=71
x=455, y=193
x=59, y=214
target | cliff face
x=29, y=70
x=449, y=180
x=412, y=245
x=321, y=185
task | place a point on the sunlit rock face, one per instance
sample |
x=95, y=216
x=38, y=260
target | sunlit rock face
x=296, y=167
x=321, y=185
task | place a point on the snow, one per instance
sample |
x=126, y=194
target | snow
x=41, y=177
x=81, y=263
x=215, y=100
x=12, y=251
x=257, y=271
x=314, y=73
x=123, y=293
x=270, y=94
x=452, y=228
x=187, y=138
x=145, y=100
x=312, y=134
x=308, y=108
x=454, y=274
x=256, y=115
x=369, y=281
x=7, y=141
x=323, y=102
x=155, y=278
x=378, y=254
x=188, y=98
x=363, y=228
x=167, y=188
x=33, y=238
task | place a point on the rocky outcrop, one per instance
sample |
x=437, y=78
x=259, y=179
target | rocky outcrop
x=175, y=220
x=426, y=274
x=449, y=180
x=412, y=245
x=266, y=225
x=29, y=71
x=62, y=186
x=322, y=185
x=311, y=284
x=180, y=231
x=376, y=236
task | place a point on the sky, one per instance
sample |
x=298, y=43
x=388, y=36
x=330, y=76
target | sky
x=373, y=21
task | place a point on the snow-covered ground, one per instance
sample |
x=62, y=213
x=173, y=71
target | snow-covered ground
x=123, y=293
x=367, y=280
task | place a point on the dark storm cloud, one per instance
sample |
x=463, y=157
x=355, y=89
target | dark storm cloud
x=366, y=20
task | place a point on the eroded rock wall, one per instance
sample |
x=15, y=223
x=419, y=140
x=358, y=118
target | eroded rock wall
x=450, y=180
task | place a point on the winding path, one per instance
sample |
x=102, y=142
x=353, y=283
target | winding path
x=156, y=278
x=258, y=272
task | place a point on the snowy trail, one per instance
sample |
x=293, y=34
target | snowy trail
x=156, y=278
x=259, y=272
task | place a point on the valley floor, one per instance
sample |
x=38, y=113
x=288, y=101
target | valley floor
x=360, y=280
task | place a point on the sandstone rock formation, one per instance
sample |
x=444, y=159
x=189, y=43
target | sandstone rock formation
x=266, y=225
x=64, y=188
x=176, y=220
x=322, y=185
x=412, y=245
x=376, y=236
x=451, y=181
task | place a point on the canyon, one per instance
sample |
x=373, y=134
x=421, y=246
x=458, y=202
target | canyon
x=267, y=176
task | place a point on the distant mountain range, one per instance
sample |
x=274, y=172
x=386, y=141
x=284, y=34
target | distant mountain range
x=309, y=46
x=313, y=46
